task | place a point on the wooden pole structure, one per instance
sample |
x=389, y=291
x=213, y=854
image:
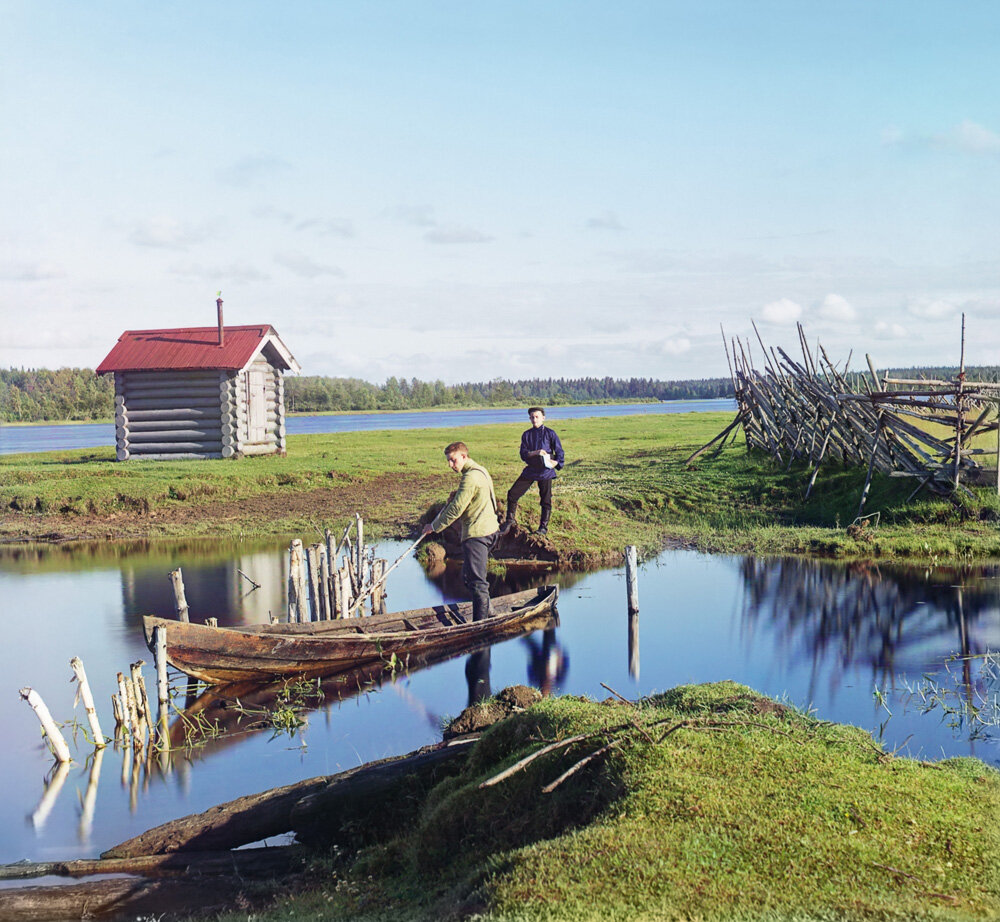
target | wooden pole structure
x=325, y=590
x=56, y=739
x=88, y=701
x=378, y=583
x=360, y=550
x=312, y=558
x=180, y=601
x=959, y=406
x=632, y=579
x=381, y=581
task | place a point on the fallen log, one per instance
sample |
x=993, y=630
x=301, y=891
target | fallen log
x=259, y=816
x=119, y=898
x=244, y=861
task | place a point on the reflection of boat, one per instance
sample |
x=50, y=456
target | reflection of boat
x=268, y=651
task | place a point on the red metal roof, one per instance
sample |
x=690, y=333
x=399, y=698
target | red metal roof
x=188, y=348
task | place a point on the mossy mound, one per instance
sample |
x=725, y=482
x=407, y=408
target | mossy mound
x=707, y=802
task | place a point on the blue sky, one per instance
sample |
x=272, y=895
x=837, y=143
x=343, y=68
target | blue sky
x=465, y=191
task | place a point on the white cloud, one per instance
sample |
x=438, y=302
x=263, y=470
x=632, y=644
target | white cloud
x=784, y=310
x=456, y=234
x=606, y=220
x=886, y=330
x=834, y=307
x=304, y=266
x=967, y=137
x=168, y=233
x=975, y=139
x=677, y=346
x=327, y=228
x=928, y=309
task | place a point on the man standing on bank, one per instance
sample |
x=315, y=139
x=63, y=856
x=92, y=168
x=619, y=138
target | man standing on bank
x=542, y=452
x=475, y=504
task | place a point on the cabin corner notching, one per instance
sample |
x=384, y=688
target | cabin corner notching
x=201, y=392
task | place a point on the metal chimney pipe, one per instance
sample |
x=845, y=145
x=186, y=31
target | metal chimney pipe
x=222, y=329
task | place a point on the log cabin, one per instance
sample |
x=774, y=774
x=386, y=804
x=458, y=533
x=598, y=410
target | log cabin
x=199, y=392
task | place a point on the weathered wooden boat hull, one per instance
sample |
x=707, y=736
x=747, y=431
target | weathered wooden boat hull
x=266, y=652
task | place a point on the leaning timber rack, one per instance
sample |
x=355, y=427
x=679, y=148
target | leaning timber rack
x=809, y=410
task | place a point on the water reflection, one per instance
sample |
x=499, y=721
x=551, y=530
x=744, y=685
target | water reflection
x=879, y=616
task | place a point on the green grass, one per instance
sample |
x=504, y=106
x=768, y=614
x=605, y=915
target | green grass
x=747, y=810
x=625, y=482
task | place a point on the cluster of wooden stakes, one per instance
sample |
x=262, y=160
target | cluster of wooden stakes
x=809, y=409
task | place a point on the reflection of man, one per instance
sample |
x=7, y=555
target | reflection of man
x=547, y=664
x=477, y=674
x=542, y=453
x=475, y=504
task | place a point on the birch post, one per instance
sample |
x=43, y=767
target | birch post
x=325, y=590
x=379, y=566
x=360, y=560
x=312, y=558
x=296, y=582
x=160, y=655
x=56, y=739
x=632, y=579
x=180, y=601
x=88, y=701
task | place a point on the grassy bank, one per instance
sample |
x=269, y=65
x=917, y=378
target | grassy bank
x=625, y=482
x=712, y=803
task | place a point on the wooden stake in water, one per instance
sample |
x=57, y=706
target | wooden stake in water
x=379, y=566
x=180, y=601
x=88, y=701
x=56, y=739
x=632, y=578
x=160, y=655
x=313, y=559
x=296, y=582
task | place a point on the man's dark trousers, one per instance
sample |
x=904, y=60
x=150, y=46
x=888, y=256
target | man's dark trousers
x=520, y=487
x=475, y=554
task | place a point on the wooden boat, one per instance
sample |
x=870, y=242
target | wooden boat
x=265, y=652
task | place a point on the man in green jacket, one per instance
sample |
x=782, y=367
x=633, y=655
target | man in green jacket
x=475, y=504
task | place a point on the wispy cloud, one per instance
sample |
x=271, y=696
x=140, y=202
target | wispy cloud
x=304, y=266
x=606, y=220
x=456, y=234
x=168, y=233
x=327, y=228
x=414, y=215
x=886, y=330
x=967, y=137
x=31, y=272
x=928, y=309
x=250, y=171
x=235, y=272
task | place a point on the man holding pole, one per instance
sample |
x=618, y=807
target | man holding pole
x=474, y=504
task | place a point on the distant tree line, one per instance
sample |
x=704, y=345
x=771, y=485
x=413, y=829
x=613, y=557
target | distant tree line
x=30, y=395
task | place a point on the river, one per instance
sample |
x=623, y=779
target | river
x=18, y=439
x=856, y=643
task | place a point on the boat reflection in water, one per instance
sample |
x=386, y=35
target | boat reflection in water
x=223, y=714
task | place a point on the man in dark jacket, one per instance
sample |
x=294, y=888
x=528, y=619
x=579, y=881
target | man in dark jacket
x=542, y=452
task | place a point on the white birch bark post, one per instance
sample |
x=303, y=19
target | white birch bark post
x=378, y=585
x=324, y=583
x=312, y=557
x=116, y=707
x=346, y=591
x=56, y=739
x=360, y=559
x=180, y=601
x=160, y=655
x=123, y=704
x=88, y=701
x=632, y=579
x=296, y=582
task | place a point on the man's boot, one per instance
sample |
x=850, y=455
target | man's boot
x=543, y=525
x=508, y=523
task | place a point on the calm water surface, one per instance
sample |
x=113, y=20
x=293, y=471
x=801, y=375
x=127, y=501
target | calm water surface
x=820, y=635
x=16, y=439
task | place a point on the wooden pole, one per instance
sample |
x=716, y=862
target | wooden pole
x=324, y=582
x=378, y=583
x=360, y=564
x=959, y=406
x=180, y=602
x=88, y=701
x=296, y=582
x=632, y=579
x=56, y=739
x=160, y=654
x=312, y=558
x=381, y=581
